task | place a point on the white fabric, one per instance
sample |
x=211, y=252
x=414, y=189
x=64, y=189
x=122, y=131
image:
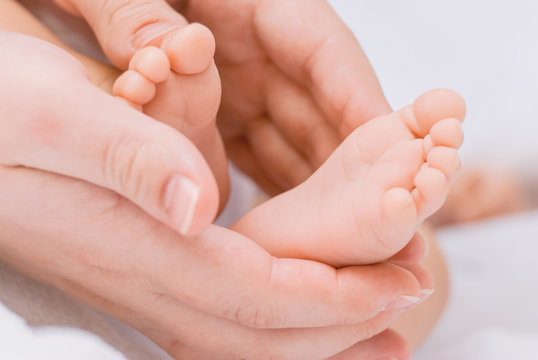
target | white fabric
x=492, y=311
x=19, y=341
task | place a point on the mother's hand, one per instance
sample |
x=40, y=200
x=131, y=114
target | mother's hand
x=217, y=296
x=54, y=119
x=295, y=80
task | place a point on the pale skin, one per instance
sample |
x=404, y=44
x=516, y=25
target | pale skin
x=269, y=71
x=423, y=174
x=283, y=131
x=428, y=161
x=97, y=246
x=423, y=205
x=216, y=312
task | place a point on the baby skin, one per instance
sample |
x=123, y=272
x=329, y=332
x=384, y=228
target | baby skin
x=367, y=200
x=360, y=207
x=178, y=84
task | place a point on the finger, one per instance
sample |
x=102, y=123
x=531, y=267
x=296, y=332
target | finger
x=275, y=293
x=410, y=258
x=79, y=131
x=414, y=251
x=123, y=26
x=280, y=161
x=225, y=339
x=58, y=246
x=325, y=58
x=299, y=119
x=423, y=276
x=221, y=273
x=240, y=152
x=387, y=345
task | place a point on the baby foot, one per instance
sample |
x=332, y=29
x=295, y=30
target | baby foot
x=179, y=84
x=365, y=203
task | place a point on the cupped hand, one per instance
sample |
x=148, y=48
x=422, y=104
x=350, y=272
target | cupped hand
x=216, y=296
x=295, y=83
x=295, y=80
x=54, y=119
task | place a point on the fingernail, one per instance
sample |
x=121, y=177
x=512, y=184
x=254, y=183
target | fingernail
x=180, y=200
x=425, y=293
x=401, y=302
x=145, y=35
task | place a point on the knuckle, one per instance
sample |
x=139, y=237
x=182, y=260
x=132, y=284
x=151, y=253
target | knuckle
x=256, y=316
x=249, y=316
x=259, y=311
x=126, y=162
x=120, y=19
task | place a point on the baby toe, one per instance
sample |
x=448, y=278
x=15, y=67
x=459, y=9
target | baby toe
x=190, y=49
x=444, y=159
x=433, y=106
x=152, y=63
x=431, y=188
x=134, y=87
x=447, y=132
x=399, y=212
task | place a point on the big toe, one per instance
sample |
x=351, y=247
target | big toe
x=433, y=106
x=190, y=49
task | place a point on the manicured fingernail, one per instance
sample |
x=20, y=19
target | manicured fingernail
x=425, y=293
x=180, y=200
x=401, y=302
x=145, y=35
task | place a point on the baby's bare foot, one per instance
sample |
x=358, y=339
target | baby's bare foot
x=366, y=201
x=179, y=84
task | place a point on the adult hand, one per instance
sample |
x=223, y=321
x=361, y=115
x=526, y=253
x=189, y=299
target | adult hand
x=54, y=119
x=295, y=80
x=216, y=296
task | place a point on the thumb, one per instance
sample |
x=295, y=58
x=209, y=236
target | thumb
x=94, y=137
x=123, y=26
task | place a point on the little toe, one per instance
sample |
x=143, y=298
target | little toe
x=431, y=189
x=190, y=49
x=134, y=87
x=400, y=216
x=152, y=63
x=431, y=107
x=447, y=132
x=444, y=159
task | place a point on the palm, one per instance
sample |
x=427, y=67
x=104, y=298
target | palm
x=291, y=92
